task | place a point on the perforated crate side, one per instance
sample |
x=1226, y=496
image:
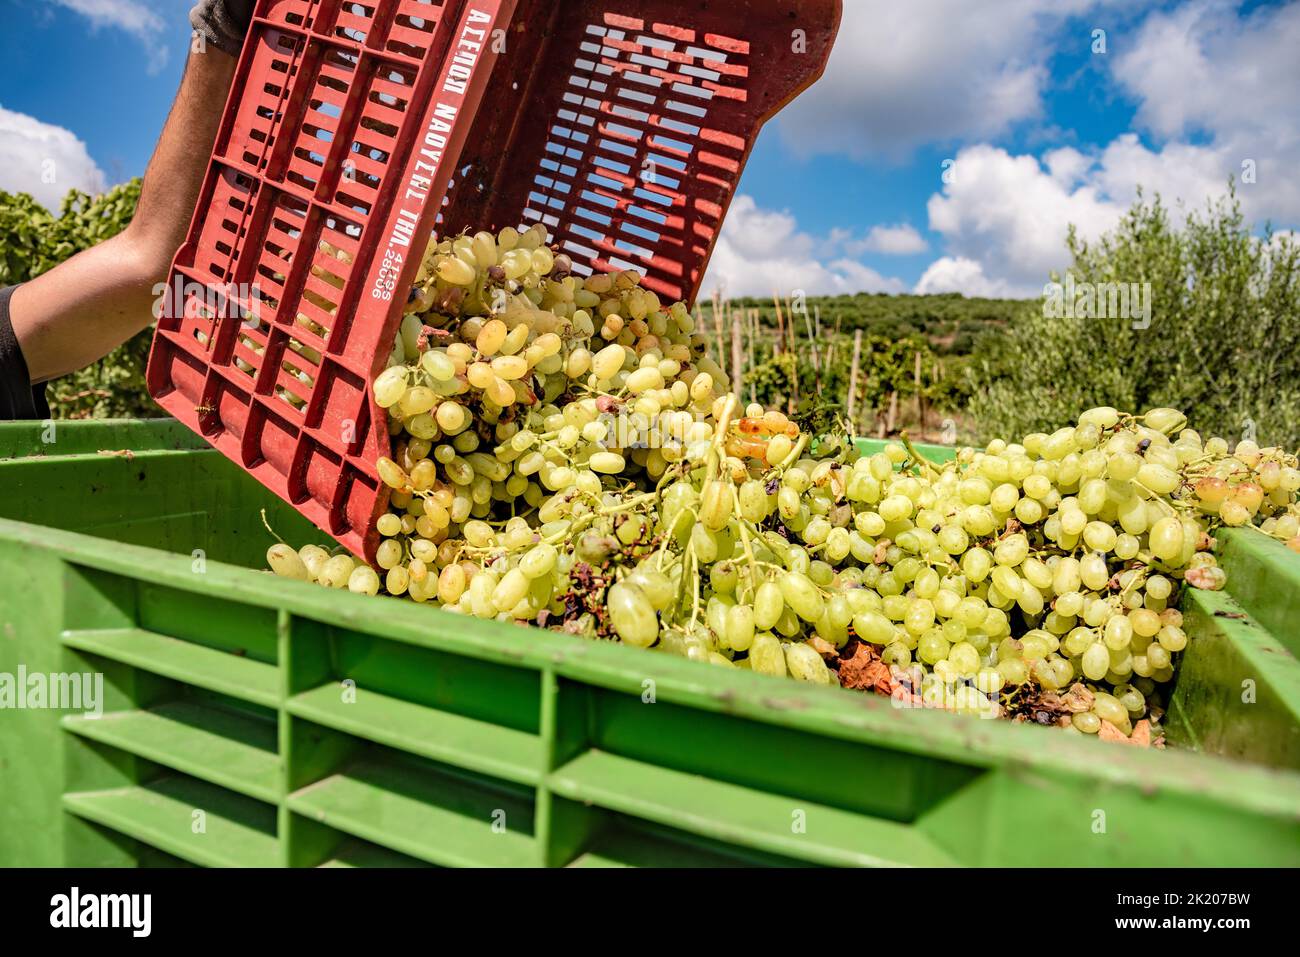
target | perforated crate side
x=340, y=129
x=353, y=130
x=632, y=141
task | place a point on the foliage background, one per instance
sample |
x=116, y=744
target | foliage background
x=1223, y=343
x=33, y=241
x=912, y=369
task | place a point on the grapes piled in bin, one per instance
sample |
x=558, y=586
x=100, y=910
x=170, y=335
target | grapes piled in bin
x=566, y=454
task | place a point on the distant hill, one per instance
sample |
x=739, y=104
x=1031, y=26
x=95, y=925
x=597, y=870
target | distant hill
x=950, y=321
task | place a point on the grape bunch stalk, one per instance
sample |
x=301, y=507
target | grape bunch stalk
x=566, y=454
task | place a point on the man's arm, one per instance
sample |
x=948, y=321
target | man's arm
x=84, y=308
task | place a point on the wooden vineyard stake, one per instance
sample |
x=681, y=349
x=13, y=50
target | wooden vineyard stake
x=853, y=377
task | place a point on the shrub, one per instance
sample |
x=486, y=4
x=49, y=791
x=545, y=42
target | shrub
x=1223, y=342
x=33, y=241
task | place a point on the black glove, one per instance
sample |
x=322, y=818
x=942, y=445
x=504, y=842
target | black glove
x=222, y=23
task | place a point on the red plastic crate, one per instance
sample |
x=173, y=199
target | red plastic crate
x=622, y=125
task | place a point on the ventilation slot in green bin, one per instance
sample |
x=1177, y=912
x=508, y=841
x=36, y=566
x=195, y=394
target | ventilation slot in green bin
x=439, y=735
x=765, y=822
x=183, y=816
x=218, y=745
x=186, y=661
x=424, y=811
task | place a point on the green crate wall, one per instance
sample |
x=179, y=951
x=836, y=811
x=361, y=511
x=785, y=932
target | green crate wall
x=252, y=721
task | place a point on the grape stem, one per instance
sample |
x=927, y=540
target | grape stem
x=1140, y=577
x=663, y=480
x=693, y=569
x=1251, y=525
x=1159, y=499
x=719, y=439
x=663, y=549
x=743, y=524
x=926, y=468
x=624, y=506
x=268, y=527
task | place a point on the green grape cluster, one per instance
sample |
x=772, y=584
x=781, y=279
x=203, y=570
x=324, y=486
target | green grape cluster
x=1047, y=562
x=565, y=453
x=517, y=386
x=1284, y=527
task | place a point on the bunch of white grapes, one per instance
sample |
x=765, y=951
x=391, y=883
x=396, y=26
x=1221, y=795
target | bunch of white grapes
x=565, y=453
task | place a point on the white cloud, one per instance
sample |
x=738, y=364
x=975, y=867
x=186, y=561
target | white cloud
x=1212, y=88
x=132, y=16
x=129, y=15
x=959, y=274
x=1010, y=215
x=900, y=240
x=902, y=75
x=762, y=250
x=44, y=160
x=1231, y=82
x=1177, y=171
x=1066, y=165
x=1203, y=67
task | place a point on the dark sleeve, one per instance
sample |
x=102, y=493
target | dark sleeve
x=223, y=23
x=19, y=399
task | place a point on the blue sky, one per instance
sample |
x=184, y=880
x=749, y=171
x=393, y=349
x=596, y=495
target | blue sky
x=845, y=190
x=111, y=87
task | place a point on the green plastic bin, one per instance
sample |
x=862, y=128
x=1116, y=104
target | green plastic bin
x=55, y=437
x=253, y=721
